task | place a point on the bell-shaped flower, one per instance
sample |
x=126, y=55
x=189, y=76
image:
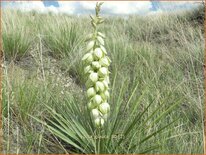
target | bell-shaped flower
x=98, y=54
x=88, y=69
x=107, y=79
x=104, y=108
x=103, y=49
x=95, y=113
x=97, y=99
x=103, y=71
x=106, y=93
x=91, y=92
x=88, y=58
x=108, y=59
x=99, y=122
x=105, y=84
x=90, y=45
x=104, y=97
x=93, y=77
x=89, y=83
x=99, y=86
x=104, y=62
x=96, y=65
x=91, y=105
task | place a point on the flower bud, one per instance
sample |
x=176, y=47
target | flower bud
x=98, y=54
x=99, y=122
x=101, y=78
x=99, y=86
x=94, y=24
x=87, y=69
x=91, y=51
x=90, y=45
x=104, y=62
x=108, y=59
x=103, y=49
x=106, y=93
x=91, y=105
x=97, y=99
x=89, y=83
x=104, y=97
x=93, y=77
x=107, y=79
x=96, y=65
x=88, y=58
x=103, y=71
x=95, y=113
x=104, y=108
x=91, y=92
x=101, y=21
x=101, y=41
x=101, y=34
x=105, y=84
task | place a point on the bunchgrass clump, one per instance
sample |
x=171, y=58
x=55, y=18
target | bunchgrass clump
x=17, y=39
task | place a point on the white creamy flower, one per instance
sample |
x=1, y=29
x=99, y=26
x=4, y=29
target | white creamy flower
x=95, y=113
x=99, y=86
x=88, y=58
x=103, y=49
x=99, y=122
x=103, y=71
x=101, y=40
x=97, y=99
x=91, y=105
x=87, y=69
x=98, y=54
x=93, y=77
x=90, y=45
x=104, y=108
x=91, y=92
x=96, y=65
x=104, y=62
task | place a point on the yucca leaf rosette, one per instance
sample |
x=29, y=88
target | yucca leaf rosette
x=96, y=63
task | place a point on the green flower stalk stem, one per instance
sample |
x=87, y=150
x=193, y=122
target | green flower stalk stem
x=96, y=64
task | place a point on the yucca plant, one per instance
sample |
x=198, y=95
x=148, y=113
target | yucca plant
x=132, y=125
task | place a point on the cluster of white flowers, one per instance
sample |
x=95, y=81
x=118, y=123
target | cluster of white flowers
x=96, y=70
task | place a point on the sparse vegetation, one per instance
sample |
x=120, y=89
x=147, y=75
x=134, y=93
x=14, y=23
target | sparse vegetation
x=156, y=78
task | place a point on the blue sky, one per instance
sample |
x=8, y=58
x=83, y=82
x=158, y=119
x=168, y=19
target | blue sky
x=109, y=7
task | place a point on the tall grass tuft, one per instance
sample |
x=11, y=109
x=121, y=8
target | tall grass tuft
x=62, y=39
x=17, y=37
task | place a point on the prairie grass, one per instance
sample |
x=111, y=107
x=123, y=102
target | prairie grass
x=159, y=59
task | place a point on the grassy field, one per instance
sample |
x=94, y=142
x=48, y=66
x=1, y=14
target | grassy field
x=156, y=59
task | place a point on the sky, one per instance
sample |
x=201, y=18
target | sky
x=109, y=7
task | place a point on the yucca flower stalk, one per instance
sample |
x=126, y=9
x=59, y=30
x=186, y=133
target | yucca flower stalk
x=96, y=70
